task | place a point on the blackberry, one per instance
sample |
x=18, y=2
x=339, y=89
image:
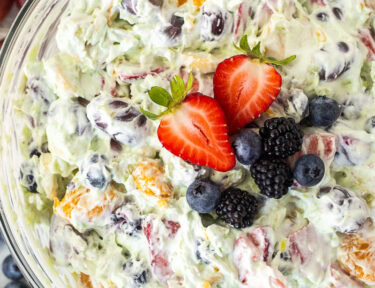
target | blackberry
x=273, y=177
x=282, y=137
x=237, y=208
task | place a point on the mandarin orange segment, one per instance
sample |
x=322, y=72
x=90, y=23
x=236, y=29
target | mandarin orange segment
x=198, y=3
x=79, y=200
x=356, y=256
x=85, y=280
x=181, y=2
x=149, y=177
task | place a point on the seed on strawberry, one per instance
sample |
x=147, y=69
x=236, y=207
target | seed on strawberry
x=193, y=128
x=246, y=85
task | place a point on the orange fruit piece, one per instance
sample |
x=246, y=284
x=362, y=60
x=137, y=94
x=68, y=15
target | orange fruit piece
x=356, y=256
x=85, y=281
x=150, y=179
x=198, y=3
x=79, y=200
x=181, y=2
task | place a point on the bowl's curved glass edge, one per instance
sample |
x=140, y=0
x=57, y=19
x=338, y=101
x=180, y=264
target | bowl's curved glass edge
x=5, y=229
x=35, y=275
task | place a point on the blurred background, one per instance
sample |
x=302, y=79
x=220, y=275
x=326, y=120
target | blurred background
x=10, y=276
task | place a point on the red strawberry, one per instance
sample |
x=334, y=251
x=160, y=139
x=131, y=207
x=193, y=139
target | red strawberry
x=245, y=88
x=197, y=132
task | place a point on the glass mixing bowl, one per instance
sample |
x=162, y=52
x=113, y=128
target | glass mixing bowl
x=33, y=33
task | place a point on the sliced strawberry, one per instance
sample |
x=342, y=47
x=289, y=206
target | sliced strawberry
x=322, y=144
x=159, y=258
x=196, y=131
x=307, y=251
x=367, y=37
x=338, y=278
x=245, y=88
x=249, y=256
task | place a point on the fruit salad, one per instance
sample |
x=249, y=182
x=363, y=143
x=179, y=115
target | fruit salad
x=204, y=143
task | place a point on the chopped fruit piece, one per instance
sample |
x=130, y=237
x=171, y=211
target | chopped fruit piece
x=150, y=178
x=245, y=88
x=85, y=280
x=323, y=145
x=339, y=279
x=201, y=62
x=246, y=85
x=199, y=3
x=79, y=201
x=306, y=251
x=248, y=258
x=139, y=75
x=368, y=39
x=156, y=240
x=197, y=132
x=356, y=256
x=181, y=2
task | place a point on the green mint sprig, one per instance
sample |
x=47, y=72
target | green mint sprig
x=257, y=54
x=167, y=99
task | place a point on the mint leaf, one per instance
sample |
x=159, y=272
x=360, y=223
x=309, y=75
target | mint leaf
x=177, y=89
x=160, y=96
x=274, y=61
x=244, y=44
x=148, y=114
x=190, y=82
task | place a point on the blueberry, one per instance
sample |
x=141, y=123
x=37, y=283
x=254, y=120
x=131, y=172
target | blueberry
x=142, y=278
x=370, y=125
x=322, y=16
x=16, y=285
x=247, y=146
x=337, y=12
x=203, y=195
x=343, y=47
x=10, y=269
x=27, y=178
x=323, y=111
x=309, y=170
x=95, y=169
x=127, y=219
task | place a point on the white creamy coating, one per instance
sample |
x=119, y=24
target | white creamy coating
x=117, y=51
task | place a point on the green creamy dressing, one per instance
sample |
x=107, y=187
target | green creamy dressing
x=107, y=51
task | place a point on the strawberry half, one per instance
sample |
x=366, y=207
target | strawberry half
x=246, y=85
x=193, y=127
x=197, y=132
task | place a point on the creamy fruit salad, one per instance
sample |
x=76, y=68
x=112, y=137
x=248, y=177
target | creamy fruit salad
x=205, y=143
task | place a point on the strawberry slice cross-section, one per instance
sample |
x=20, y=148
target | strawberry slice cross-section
x=245, y=88
x=193, y=126
x=197, y=132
